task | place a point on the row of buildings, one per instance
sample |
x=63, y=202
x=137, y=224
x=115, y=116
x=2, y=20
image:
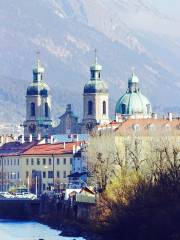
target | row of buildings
x=50, y=156
x=40, y=165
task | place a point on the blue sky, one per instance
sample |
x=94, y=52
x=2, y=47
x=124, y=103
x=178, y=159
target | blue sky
x=171, y=7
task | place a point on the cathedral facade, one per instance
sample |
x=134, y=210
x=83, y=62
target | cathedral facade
x=38, y=123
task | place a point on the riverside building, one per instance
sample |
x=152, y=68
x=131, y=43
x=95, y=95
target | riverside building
x=36, y=165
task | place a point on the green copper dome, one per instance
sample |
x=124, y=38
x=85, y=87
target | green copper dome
x=133, y=102
x=38, y=88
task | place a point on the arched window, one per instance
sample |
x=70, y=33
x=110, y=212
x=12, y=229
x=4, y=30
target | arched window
x=93, y=75
x=123, y=108
x=90, y=107
x=104, y=107
x=148, y=108
x=46, y=110
x=33, y=109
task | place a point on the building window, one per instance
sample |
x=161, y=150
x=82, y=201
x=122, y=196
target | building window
x=64, y=161
x=27, y=174
x=50, y=162
x=58, y=174
x=8, y=161
x=11, y=161
x=44, y=161
x=27, y=161
x=32, y=109
x=64, y=174
x=99, y=75
x=58, y=162
x=44, y=174
x=18, y=175
x=32, y=161
x=38, y=161
x=46, y=110
x=14, y=161
x=18, y=162
x=90, y=107
x=123, y=108
x=50, y=174
x=44, y=186
x=71, y=161
x=104, y=107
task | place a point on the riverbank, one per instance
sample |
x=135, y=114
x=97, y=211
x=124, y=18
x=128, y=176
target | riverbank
x=70, y=223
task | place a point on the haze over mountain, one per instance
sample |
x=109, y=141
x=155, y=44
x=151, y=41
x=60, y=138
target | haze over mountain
x=127, y=33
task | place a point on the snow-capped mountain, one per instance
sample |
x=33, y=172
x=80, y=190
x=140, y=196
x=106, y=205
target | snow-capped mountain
x=127, y=33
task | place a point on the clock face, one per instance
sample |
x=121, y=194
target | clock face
x=32, y=128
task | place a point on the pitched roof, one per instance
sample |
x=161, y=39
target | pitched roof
x=145, y=124
x=52, y=149
x=15, y=148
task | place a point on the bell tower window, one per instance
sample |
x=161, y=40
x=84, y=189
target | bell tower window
x=46, y=110
x=90, y=107
x=33, y=110
x=92, y=74
x=104, y=107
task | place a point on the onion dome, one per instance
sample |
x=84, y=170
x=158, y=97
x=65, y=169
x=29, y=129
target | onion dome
x=95, y=84
x=38, y=87
x=133, y=102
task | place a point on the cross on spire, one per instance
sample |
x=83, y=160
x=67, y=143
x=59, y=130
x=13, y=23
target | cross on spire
x=38, y=58
x=96, y=58
x=133, y=69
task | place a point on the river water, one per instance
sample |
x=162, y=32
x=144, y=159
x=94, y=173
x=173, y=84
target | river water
x=16, y=230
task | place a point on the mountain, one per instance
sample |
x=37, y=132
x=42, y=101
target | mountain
x=127, y=33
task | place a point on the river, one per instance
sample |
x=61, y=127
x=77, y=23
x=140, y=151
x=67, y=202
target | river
x=23, y=230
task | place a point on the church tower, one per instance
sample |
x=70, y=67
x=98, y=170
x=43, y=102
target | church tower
x=95, y=99
x=38, y=107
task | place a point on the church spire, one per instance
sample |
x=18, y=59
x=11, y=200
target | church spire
x=95, y=69
x=133, y=82
x=38, y=71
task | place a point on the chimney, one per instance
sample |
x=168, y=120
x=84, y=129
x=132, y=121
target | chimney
x=39, y=137
x=170, y=117
x=154, y=115
x=74, y=149
x=30, y=137
x=51, y=140
x=22, y=138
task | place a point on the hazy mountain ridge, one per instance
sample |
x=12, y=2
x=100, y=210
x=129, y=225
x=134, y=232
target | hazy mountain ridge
x=66, y=33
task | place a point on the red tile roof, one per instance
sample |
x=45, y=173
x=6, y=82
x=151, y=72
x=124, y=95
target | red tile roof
x=15, y=148
x=145, y=123
x=52, y=149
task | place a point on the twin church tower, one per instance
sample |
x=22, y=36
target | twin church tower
x=38, y=123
